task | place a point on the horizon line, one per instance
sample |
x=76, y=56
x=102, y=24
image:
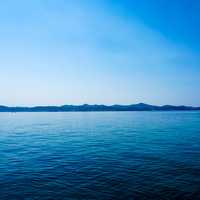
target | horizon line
x=99, y=108
x=94, y=104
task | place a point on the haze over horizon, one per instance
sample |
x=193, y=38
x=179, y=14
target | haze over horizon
x=99, y=52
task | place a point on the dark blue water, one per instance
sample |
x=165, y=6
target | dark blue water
x=112, y=155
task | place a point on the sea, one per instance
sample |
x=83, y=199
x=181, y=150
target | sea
x=100, y=155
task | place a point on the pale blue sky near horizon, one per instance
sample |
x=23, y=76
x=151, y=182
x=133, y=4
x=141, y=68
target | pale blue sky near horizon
x=99, y=52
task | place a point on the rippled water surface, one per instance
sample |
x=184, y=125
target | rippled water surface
x=105, y=155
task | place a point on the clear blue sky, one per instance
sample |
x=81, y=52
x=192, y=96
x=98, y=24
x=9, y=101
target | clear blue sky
x=99, y=51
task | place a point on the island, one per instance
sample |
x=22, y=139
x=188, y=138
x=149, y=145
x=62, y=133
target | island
x=98, y=108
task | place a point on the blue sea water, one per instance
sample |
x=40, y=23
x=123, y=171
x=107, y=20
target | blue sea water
x=100, y=155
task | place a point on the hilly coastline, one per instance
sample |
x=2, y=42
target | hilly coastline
x=95, y=108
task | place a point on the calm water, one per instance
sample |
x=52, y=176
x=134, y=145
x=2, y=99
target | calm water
x=113, y=155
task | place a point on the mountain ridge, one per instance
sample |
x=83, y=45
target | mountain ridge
x=98, y=107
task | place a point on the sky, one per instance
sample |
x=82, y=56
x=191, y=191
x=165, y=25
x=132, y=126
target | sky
x=99, y=52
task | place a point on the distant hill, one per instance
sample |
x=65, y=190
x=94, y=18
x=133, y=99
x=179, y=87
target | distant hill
x=90, y=108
